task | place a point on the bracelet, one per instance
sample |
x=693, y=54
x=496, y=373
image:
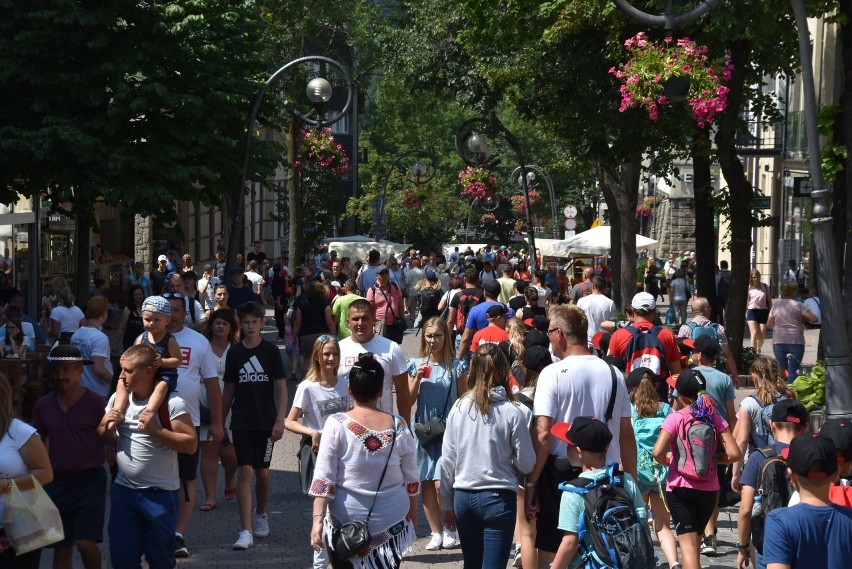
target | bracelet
x=319, y=515
x=743, y=545
x=530, y=485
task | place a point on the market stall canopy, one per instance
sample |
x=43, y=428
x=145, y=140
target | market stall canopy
x=596, y=242
x=356, y=250
x=547, y=247
x=450, y=247
x=349, y=239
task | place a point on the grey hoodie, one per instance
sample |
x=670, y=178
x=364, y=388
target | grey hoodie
x=485, y=452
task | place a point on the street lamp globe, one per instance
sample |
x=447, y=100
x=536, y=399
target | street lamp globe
x=478, y=144
x=318, y=90
x=530, y=179
x=418, y=169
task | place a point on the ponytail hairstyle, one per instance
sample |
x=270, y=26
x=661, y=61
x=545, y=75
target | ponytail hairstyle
x=645, y=397
x=769, y=379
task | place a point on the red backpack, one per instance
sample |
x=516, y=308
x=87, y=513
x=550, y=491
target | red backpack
x=646, y=350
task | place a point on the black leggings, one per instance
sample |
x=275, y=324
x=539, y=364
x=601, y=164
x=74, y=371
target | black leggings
x=691, y=509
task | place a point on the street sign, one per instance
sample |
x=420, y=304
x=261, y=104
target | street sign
x=761, y=202
x=570, y=234
x=570, y=224
x=802, y=187
x=570, y=211
x=596, y=223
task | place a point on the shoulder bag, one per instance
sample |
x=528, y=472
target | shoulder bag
x=432, y=431
x=396, y=330
x=351, y=538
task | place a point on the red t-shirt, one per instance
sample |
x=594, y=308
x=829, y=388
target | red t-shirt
x=488, y=335
x=621, y=337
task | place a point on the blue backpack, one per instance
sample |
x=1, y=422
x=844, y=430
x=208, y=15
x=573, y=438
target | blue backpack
x=646, y=350
x=619, y=538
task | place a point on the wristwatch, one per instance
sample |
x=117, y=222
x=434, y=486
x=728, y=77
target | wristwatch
x=742, y=546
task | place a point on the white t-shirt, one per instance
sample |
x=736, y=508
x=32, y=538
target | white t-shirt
x=197, y=364
x=580, y=386
x=92, y=342
x=318, y=403
x=256, y=280
x=387, y=353
x=11, y=463
x=68, y=318
x=598, y=308
x=209, y=301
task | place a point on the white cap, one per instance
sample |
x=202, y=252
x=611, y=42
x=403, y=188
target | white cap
x=162, y=258
x=643, y=301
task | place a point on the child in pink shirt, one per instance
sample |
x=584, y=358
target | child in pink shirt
x=688, y=444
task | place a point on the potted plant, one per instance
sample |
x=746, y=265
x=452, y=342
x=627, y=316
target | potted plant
x=656, y=74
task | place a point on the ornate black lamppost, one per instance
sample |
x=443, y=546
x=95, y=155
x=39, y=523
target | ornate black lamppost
x=420, y=172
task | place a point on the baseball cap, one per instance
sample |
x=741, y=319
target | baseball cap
x=705, y=345
x=537, y=358
x=688, y=383
x=685, y=346
x=789, y=411
x=383, y=269
x=162, y=258
x=643, y=301
x=66, y=354
x=492, y=288
x=431, y=275
x=536, y=338
x=634, y=378
x=237, y=269
x=586, y=433
x=839, y=431
x=208, y=267
x=157, y=305
x=540, y=323
x=807, y=450
x=495, y=311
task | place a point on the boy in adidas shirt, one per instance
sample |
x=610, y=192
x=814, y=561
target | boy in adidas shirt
x=254, y=379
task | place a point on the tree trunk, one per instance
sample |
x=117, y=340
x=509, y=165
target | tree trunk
x=294, y=201
x=842, y=211
x=83, y=278
x=705, y=235
x=739, y=196
x=620, y=192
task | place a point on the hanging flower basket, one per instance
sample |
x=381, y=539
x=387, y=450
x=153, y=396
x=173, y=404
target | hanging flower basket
x=676, y=70
x=645, y=208
x=520, y=226
x=319, y=152
x=412, y=199
x=477, y=183
x=487, y=218
x=519, y=204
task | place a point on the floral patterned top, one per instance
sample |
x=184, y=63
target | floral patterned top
x=349, y=464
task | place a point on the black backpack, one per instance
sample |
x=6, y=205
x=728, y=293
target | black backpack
x=773, y=491
x=466, y=303
x=619, y=538
x=429, y=300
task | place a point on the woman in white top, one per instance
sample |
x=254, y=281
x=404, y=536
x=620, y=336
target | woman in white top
x=357, y=448
x=320, y=395
x=750, y=431
x=21, y=454
x=757, y=309
x=222, y=331
x=65, y=318
x=487, y=447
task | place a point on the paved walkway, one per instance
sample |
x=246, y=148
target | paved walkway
x=211, y=534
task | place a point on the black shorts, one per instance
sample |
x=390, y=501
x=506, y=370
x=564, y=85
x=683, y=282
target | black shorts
x=253, y=448
x=548, y=535
x=81, y=500
x=691, y=509
x=188, y=463
x=759, y=315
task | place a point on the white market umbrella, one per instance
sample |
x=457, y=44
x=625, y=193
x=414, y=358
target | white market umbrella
x=596, y=241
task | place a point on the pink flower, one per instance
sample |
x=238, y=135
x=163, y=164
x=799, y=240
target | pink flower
x=686, y=68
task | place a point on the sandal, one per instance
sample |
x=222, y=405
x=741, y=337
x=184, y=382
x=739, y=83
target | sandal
x=230, y=493
x=207, y=507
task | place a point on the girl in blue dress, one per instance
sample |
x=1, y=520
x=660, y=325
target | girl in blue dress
x=436, y=380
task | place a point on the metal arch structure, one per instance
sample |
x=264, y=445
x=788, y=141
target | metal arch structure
x=667, y=20
x=541, y=173
x=238, y=222
x=491, y=123
x=431, y=168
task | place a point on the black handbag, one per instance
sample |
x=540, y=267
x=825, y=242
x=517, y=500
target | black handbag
x=432, y=431
x=351, y=538
x=307, y=462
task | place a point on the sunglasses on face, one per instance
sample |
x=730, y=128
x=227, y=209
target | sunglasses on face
x=178, y=295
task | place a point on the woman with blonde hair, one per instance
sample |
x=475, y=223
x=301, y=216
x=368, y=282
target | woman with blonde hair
x=319, y=396
x=22, y=454
x=757, y=309
x=188, y=265
x=487, y=447
x=436, y=379
x=751, y=431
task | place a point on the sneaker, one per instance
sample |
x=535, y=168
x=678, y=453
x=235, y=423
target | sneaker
x=676, y=566
x=244, y=541
x=517, y=561
x=434, y=543
x=181, y=552
x=450, y=539
x=708, y=545
x=261, y=525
